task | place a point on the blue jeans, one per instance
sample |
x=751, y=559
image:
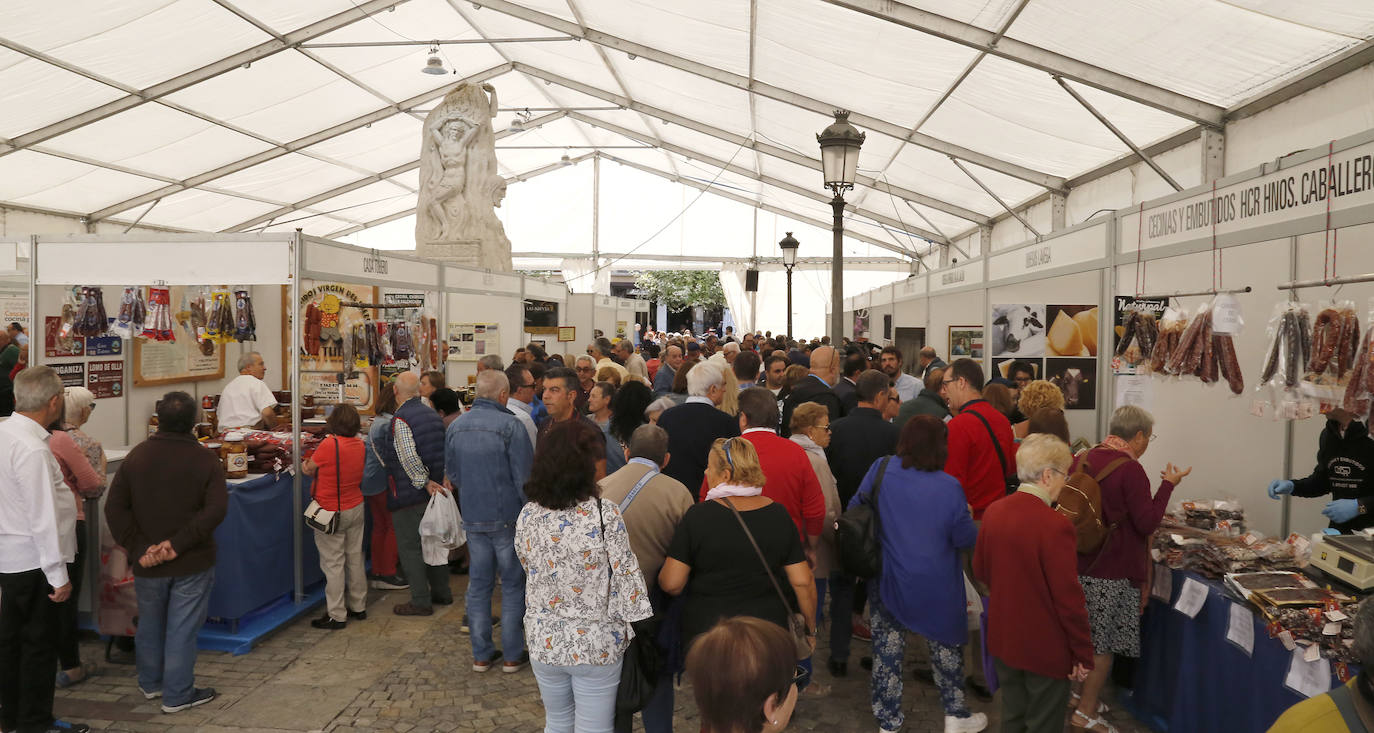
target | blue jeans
x=580, y=698
x=170, y=614
x=492, y=555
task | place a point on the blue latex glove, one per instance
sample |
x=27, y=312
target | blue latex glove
x=1279, y=486
x=1342, y=510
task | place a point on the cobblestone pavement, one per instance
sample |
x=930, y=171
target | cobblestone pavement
x=414, y=675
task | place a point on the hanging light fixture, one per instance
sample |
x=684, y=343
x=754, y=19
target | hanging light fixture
x=565, y=160
x=434, y=65
x=518, y=123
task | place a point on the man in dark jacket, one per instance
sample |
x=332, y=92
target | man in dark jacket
x=928, y=402
x=856, y=441
x=694, y=425
x=560, y=386
x=1345, y=454
x=854, y=364
x=415, y=458
x=815, y=387
x=164, y=505
x=929, y=362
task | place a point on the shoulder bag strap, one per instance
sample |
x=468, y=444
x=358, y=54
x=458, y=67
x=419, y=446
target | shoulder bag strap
x=873, y=497
x=1111, y=467
x=764, y=561
x=338, y=475
x=606, y=549
x=646, y=478
x=1345, y=705
x=996, y=444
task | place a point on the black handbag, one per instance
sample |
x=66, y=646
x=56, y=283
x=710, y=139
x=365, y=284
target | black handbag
x=642, y=662
x=858, y=531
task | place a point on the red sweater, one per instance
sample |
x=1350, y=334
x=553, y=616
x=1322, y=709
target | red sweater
x=790, y=481
x=1037, y=616
x=973, y=460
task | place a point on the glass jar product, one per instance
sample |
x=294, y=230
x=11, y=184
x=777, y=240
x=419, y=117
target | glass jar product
x=235, y=456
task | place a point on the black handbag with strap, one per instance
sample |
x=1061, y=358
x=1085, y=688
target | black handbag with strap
x=1012, y=482
x=858, y=533
x=643, y=662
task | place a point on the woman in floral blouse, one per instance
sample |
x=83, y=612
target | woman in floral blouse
x=583, y=585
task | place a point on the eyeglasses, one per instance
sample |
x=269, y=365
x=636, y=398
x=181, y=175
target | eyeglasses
x=585, y=369
x=947, y=381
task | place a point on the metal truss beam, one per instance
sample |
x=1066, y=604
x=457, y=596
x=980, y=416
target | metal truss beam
x=362, y=182
x=767, y=90
x=210, y=71
x=763, y=263
x=765, y=148
x=780, y=211
x=527, y=175
x=1035, y=57
x=296, y=145
x=765, y=179
x=1119, y=134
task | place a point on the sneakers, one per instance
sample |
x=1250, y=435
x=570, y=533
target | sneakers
x=862, y=632
x=358, y=615
x=511, y=667
x=463, y=627
x=407, y=609
x=389, y=582
x=198, y=697
x=62, y=726
x=480, y=666
x=153, y=695
x=325, y=622
x=971, y=724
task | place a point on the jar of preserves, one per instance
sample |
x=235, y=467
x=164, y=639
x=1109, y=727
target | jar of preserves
x=235, y=456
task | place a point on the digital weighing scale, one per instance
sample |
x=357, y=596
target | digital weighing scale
x=1348, y=557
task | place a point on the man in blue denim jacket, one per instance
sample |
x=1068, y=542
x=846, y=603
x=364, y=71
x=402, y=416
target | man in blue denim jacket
x=487, y=455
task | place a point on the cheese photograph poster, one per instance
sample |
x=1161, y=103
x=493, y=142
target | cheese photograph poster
x=1072, y=331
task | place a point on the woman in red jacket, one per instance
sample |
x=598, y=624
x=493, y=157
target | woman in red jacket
x=1113, y=578
x=337, y=465
x=1037, y=617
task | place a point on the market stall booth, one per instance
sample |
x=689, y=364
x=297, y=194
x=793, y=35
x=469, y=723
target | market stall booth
x=1232, y=258
x=132, y=318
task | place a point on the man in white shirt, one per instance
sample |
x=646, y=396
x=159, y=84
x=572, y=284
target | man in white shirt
x=37, y=540
x=246, y=402
x=634, y=363
x=521, y=397
x=891, y=362
x=601, y=351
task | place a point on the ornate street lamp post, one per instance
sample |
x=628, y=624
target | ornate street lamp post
x=789, y=245
x=840, y=143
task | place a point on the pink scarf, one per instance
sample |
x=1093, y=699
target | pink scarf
x=1114, y=443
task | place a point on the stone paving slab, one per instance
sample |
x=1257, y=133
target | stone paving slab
x=414, y=675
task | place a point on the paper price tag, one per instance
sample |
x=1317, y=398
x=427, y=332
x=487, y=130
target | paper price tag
x=1286, y=638
x=1241, y=628
x=1163, y=586
x=1331, y=629
x=1308, y=677
x=1336, y=615
x=1312, y=654
x=1191, y=598
x=1155, y=554
x=1226, y=317
x=1177, y=538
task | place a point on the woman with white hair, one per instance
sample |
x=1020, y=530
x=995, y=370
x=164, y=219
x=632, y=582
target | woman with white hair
x=83, y=468
x=1113, y=578
x=1037, y=623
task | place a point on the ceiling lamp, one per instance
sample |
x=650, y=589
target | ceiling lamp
x=565, y=160
x=434, y=65
x=518, y=123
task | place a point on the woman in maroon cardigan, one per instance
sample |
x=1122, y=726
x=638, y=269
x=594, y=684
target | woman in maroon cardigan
x=1114, y=577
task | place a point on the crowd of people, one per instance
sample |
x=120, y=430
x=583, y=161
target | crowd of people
x=675, y=497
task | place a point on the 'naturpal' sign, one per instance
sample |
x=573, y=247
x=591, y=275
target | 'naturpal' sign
x=1291, y=201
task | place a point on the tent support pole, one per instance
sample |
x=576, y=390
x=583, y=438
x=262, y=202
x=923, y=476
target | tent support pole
x=297, y=265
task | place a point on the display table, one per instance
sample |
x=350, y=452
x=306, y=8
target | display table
x=254, y=573
x=1191, y=679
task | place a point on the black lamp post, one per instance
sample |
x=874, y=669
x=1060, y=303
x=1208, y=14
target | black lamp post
x=840, y=143
x=789, y=245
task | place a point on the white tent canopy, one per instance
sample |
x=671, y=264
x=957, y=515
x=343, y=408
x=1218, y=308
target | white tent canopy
x=256, y=115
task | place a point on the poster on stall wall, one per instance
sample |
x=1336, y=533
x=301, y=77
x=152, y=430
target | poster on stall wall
x=326, y=322
x=472, y=341
x=860, y=322
x=397, y=315
x=1018, y=331
x=73, y=375
x=1071, y=330
x=966, y=341
x=105, y=379
x=1122, y=307
x=541, y=317
x=1002, y=367
x=1076, y=379
x=15, y=309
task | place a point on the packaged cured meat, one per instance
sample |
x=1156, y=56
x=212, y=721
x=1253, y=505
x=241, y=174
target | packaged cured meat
x=1186, y=357
x=1335, y=344
x=312, y=330
x=1276, y=392
x=90, y=319
x=124, y=321
x=158, y=326
x=401, y=336
x=219, y=326
x=1140, y=333
x=245, y=321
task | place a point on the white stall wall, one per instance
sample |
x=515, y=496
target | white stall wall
x=1233, y=453
x=581, y=315
x=1083, y=288
x=505, y=310
x=108, y=423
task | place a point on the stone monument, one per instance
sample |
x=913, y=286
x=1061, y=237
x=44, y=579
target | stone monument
x=460, y=189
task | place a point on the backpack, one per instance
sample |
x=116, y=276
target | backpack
x=1081, y=502
x=857, y=542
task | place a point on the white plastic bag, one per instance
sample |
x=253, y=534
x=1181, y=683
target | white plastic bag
x=441, y=529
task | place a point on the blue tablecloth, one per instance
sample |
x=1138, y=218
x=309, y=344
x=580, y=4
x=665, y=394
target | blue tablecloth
x=1193, y=679
x=254, y=565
